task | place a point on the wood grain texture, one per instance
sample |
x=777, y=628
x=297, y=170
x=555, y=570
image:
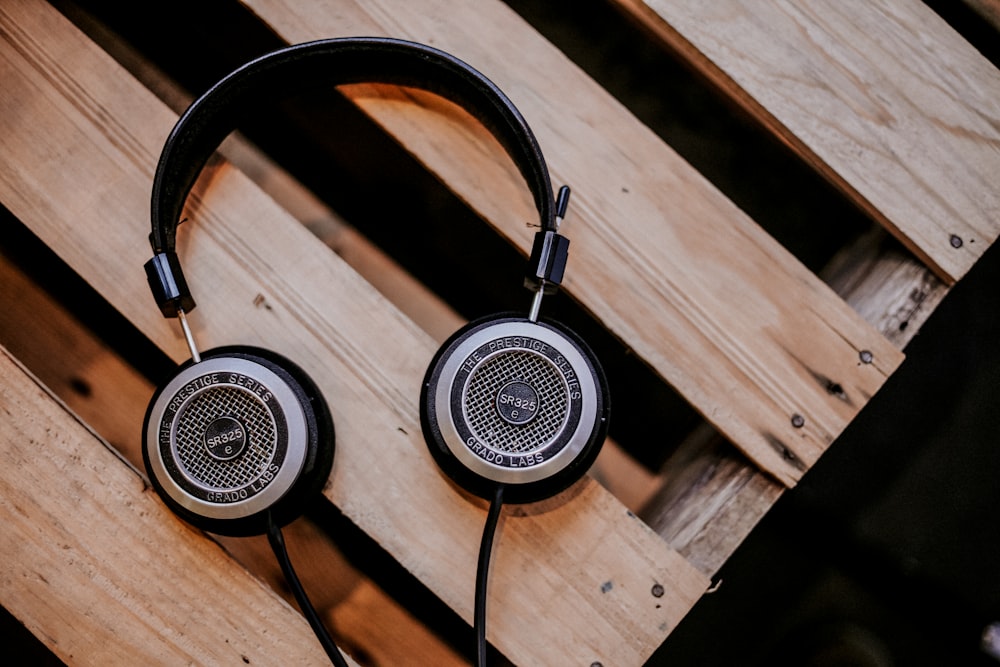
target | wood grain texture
x=711, y=498
x=883, y=98
x=110, y=396
x=710, y=501
x=72, y=362
x=384, y=629
x=886, y=286
x=97, y=568
x=82, y=137
x=712, y=303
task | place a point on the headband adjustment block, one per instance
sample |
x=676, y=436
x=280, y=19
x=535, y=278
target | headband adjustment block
x=547, y=263
x=549, y=253
x=166, y=280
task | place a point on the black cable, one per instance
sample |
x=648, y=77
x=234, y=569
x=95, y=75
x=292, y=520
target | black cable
x=277, y=542
x=482, y=574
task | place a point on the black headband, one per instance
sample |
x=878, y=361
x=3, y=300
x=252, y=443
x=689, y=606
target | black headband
x=293, y=69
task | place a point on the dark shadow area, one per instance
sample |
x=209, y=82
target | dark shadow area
x=888, y=552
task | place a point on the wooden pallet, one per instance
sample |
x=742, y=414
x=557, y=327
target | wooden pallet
x=775, y=359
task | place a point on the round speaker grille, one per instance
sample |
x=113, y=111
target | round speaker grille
x=512, y=401
x=206, y=408
x=540, y=411
x=226, y=438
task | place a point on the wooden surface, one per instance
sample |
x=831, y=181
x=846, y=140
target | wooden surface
x=731, y=320
x=82, y=128
x=101, y=571
x=663, y=260
x=886, y=286
x=883, y=98
x=711, y=497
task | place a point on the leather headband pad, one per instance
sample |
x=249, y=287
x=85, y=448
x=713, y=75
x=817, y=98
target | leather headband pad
x=296, y=69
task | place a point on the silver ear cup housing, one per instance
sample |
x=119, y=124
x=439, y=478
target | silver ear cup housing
x=514, y=402
x=235, y=436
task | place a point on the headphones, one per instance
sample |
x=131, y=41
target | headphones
x=513, y=401
x=240, y=438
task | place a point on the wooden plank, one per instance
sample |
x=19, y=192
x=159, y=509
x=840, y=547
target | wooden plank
x=71, y=362
x=886, y=286
x=711, y=499
x=101, y=572
x=355, y=609
x=81, y=139
x=883, y=98
x=111, y=397
x=385, y=631
x=714, y=305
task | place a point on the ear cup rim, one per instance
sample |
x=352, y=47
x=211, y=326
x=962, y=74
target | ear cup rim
x=514, y=492
x=322, y=441
x=319, y=447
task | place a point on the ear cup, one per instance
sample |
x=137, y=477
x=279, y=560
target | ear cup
x=241, y=433
x=514, y=402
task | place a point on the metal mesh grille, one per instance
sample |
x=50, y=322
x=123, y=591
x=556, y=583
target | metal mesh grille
x=205, y=408
x=481, y=413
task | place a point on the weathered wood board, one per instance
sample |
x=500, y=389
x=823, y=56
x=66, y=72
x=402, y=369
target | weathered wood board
x=884, y=98
x=776, y=359
x=97, y=567
x=110, y=396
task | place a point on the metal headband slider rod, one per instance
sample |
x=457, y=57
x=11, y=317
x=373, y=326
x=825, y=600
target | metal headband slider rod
x=166, y=280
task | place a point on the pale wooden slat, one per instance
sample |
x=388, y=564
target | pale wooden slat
x=83, y=138
x=101, y=572
x=710, y=499
x=883, y=98
x=353, y=607
x=665, y=261
x=66, y=357
x=886, y=286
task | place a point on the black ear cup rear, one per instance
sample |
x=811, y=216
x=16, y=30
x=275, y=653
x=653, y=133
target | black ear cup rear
x=239, y=434
x=514, y=402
